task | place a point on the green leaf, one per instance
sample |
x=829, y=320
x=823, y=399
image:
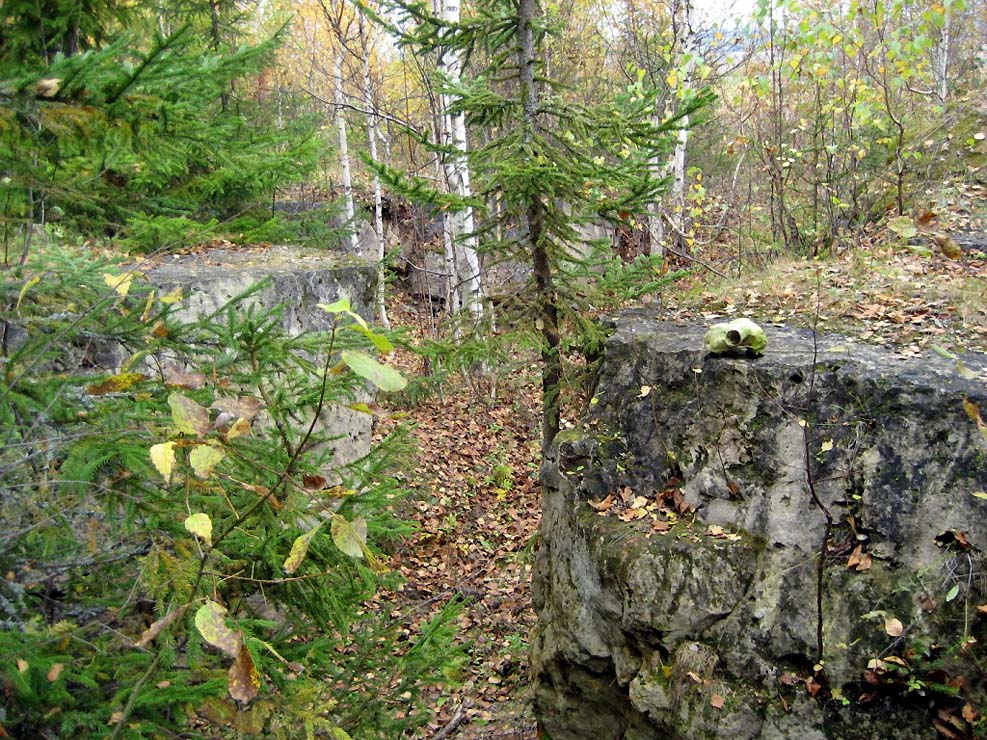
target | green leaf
x=343, y=306
x=903, y=226
x=211, y=623
x=382, y=343
x=299, y=549
x=204, y=458
x=201, y=526
x=383, y=376
x=340, y=306
x=953, y=592
x=981, y=495
x=189, y=417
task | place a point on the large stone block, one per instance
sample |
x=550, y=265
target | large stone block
x=823, y=452
x=295, y=279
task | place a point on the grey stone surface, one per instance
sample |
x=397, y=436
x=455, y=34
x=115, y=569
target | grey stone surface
x=638, y=631
x=295, y=278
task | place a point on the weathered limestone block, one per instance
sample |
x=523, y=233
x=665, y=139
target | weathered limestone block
x=295, y=278
x=714, y=633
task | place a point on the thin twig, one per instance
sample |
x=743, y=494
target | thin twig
x=452, y=724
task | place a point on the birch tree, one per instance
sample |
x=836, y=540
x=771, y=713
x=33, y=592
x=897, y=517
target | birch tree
x=464, y=265
x=373, y=132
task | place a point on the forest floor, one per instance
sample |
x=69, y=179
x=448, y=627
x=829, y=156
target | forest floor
x=475, y=495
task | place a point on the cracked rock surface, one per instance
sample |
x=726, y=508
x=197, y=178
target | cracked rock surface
x=823, y=451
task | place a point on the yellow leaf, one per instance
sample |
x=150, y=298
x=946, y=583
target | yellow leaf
x=115, y=384
x=893, y=626
x=48, y=88
x=239, y=428
x=299, y=549
x=645, y=390
x=172, y=296
x=163, y=458
x=204, y=458
x=201, y=526
x=189, y=417
x=210, y=622
x=27, y=286
x=244, y=680
x=148, y=305
x=826, y=446
x=119, y=283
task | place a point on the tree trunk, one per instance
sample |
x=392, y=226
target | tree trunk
x=344, y=154
x=684, y=39
x=467, y=278
x=537, y=238
x=370, y=99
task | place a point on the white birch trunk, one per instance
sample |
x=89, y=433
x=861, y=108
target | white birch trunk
x=344, y=155
x=675, y=166
x=942, y=61
x=467, y=278
x=372, y=130
x=684, y=36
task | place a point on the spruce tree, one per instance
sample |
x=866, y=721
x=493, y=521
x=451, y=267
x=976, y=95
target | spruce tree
x=118, y=122
x=555, y=166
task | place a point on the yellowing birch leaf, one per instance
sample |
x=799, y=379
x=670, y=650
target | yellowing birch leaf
x=201, y=526
x=119, y=283
x=239, y=428
x=189, y=417
x=163, y=458
x=893, y=626
x=299, y=549
x=27, y=286
x=349, y=536
x=116, y=384
x=826, y=446
x=172, y=296
x=204, y=458
x=244, y=680
x=211, y=623
x=148, y=305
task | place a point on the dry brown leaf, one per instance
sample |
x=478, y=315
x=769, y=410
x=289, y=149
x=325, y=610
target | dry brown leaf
x=177, y=377
x=716, y=701
x=244, y=680
x=159, y=626
x=54, y=672
x=947, y=245
x=246, y=407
